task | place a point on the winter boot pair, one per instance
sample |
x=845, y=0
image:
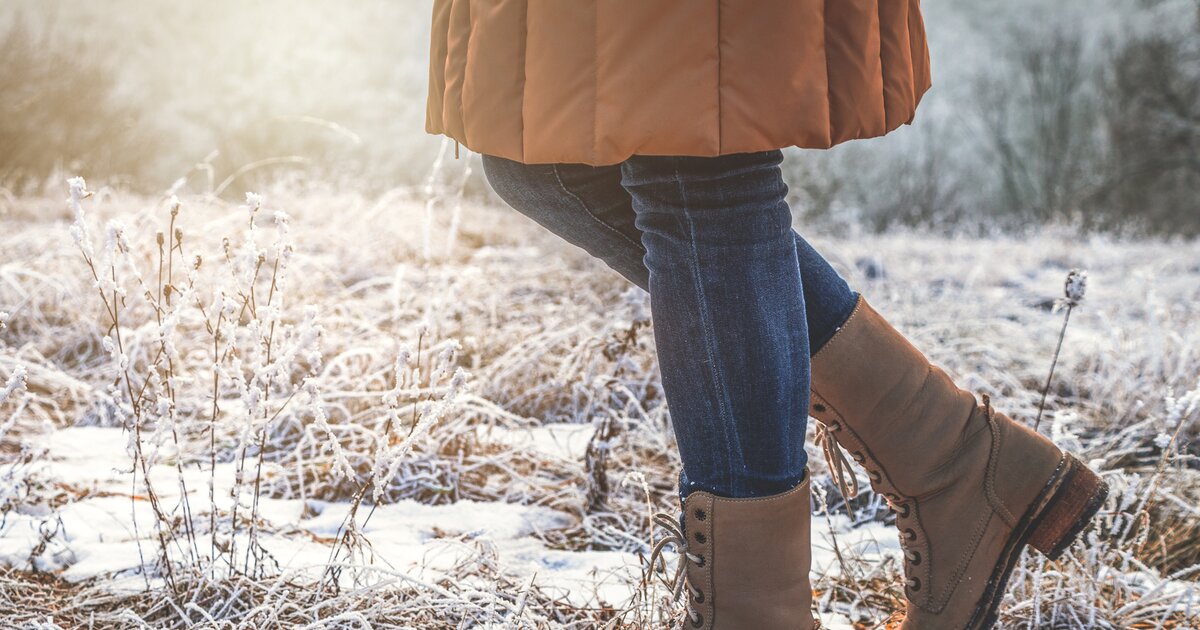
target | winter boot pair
x=970, y=488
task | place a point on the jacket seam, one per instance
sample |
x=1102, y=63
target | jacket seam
x=828, y=84
x=462, y=89
x=883, y=98
x=524, y=77
x=434, y=124
x=596, y=82
x=720, y=88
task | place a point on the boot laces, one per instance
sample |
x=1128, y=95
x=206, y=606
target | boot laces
x=839, y=465
x=678, y=580
x=989, y=412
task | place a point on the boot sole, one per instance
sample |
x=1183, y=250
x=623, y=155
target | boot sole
x=1065, y=506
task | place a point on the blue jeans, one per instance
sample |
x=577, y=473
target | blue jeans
x=738, y=299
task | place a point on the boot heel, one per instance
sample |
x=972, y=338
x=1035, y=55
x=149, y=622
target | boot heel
x=1073, y=505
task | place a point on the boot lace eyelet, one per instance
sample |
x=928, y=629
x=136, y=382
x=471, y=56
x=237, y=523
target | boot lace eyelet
x=819, y=408
x=909, y=534
x=875, y=478
x=701, y=515
x=697, y=621
x=701, y=538
x=914, y=584
x=903, y=511
x=858, y=457
x=699, y=597
x=700, y=560
x=914, y=558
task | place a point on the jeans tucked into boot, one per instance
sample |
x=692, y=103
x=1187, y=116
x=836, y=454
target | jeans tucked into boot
x=740, y=303
x=743, y=563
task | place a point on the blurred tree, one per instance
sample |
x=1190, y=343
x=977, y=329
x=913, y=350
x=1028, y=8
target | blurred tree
x=57, y=109
x=1153, y=124
x=1039, y=123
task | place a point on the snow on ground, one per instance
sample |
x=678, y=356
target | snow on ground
x=559, y=439
x=98, y=533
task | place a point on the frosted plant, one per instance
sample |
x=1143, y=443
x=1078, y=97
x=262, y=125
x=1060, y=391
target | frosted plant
x=1181, y=408
x=428, y=413
x=638, y=303
x=456, y=212
x=262, y=354
x=129, y=394
x=383, y=469
x=15, y=384
x=1073, y=290
x=1179, y=411
x=433, y=194
x=283, y=247
x=79, y=229
x=1063, y=433
x=340, y=464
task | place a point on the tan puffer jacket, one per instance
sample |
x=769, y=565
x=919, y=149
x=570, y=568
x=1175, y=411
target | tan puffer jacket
x=595, y=81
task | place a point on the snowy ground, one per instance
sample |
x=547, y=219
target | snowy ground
x=499, y=390
x=96, y=538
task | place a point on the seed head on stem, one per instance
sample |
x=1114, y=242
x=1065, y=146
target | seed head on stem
x=1073, y=291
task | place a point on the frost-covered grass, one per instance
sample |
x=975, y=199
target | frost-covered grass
x=412, y=411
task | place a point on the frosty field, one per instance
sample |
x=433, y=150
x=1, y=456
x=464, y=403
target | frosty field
x=319, y=410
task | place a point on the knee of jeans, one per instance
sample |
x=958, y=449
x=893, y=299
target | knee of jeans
x=717, y=222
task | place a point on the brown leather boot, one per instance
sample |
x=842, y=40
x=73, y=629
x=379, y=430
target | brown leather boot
x=744, y=562
x=970, y=487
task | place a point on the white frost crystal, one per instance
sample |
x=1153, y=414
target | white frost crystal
x=254, y=201
x=1073, y=290
x=79, y=230
x=1075, y=286
x=16, y=382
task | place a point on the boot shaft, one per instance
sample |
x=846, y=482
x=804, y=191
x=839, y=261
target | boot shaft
x=969, y=485
x=748, y=561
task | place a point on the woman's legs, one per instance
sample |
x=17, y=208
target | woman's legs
x=755, y=394
x=588, y=207
x=929, y=447
x=729, y=317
